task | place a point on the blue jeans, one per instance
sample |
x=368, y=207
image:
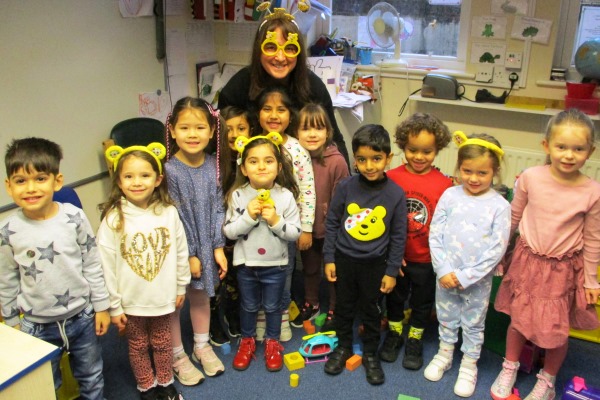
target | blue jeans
x=260, y=286
x=286, y=299
x=84, y=348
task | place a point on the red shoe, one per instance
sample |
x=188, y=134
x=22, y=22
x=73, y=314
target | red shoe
x=245, y=354
x=273, y=358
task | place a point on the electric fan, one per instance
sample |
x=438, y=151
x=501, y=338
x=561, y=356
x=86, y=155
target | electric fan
x=385, y=27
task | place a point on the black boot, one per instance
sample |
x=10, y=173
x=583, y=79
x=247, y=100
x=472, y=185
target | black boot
x=217, y=335
x=373, y=370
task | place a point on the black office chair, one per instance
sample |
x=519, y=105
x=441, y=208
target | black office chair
x=138, y=131
x=135, y=131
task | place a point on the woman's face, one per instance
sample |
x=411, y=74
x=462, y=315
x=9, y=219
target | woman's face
x=278, y=66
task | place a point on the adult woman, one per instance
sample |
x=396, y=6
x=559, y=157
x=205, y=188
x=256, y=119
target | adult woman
x=279, y=59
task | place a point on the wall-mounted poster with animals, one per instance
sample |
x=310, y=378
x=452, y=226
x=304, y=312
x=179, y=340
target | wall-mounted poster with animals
x=489, y=27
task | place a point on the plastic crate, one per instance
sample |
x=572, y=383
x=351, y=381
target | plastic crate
x=592, y=336
x=588, y=106
x=69, y=390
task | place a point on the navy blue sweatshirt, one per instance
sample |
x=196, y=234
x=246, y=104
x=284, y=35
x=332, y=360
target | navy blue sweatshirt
x=367, y=221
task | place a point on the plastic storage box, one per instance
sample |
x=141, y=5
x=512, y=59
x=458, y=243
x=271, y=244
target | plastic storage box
x=588, y=106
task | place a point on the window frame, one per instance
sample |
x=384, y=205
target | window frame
x=458, y=63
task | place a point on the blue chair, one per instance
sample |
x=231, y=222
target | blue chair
x=67, y=195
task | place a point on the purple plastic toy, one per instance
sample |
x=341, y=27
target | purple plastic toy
x=576, y=389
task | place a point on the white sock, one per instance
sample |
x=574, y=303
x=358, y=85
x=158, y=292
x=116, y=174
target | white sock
x=200, y=340
x=178, y=352
x=468, y=362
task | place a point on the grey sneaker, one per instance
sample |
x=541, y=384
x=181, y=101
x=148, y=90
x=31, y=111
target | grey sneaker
x=210, y=362
x=186, y=373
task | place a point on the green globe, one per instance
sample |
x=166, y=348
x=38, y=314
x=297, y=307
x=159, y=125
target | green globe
x=587, y=59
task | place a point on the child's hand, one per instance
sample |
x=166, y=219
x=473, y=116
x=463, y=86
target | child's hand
x=387, y=284
x=195, y=267
x=120, y=321
x=400, y=271
x=448, y=281
x=221, y=261
x=305, y=241
x=254, y=208
x=179, y=300
x=269, y=214
x=102, y=322
x=330, y=272
x=591, y=295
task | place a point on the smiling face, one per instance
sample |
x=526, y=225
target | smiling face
x=477, y=174
x=261, y=166
x=312, y=138
x=279, y=65
x=237, y=126
x=137, y=180
x=274, y=116
x=33, y=191
x=569, y=148
x=420, y=152
x=192, y=133
x=370, y=163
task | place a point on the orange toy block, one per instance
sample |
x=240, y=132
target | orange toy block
x=309, y=327
x=293, y=361
x=353, y=362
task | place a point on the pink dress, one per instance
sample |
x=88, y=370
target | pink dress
x=556, y=256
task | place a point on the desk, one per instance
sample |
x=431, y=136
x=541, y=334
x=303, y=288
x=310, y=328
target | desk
x=25, y=369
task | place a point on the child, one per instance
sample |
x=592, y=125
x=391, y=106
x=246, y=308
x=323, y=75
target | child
x=420, y=137
x=50, y=268
x=238, y=122
x=144, y=256
x=277, y=115
x=468, y=237
x=551, y=285
x=194, y=185
x=261, y=229
x=364, y=245
x=315, y=134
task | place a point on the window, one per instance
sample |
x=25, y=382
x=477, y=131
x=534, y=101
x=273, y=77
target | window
x=577, y=23
x=436, y=31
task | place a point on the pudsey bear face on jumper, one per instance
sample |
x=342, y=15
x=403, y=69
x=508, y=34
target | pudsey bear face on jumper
x=365, y=224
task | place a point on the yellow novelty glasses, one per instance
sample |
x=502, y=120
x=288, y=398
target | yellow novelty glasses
x=270, y=47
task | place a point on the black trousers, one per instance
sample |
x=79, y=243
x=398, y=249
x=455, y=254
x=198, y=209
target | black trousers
x=418, y=282
x=358, y=290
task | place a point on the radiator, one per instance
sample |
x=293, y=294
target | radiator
x=515, y=161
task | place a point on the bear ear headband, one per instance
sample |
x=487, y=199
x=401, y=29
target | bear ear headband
x=462, y=140
x=241, y=142
x=156, y=150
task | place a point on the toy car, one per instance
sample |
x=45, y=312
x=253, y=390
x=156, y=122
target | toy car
x=318, y=345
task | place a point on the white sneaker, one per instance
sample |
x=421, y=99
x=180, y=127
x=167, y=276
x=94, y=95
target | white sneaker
x=186, y=373
x=466, y=381
x=261, y=325
x=503, y=385
x=436, y=368
x=543, y=389
x=286, y=330
x=210, y=362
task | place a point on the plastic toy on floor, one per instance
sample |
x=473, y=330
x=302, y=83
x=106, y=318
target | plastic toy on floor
x=576, y=389
x=514, y=395
x=316, y=347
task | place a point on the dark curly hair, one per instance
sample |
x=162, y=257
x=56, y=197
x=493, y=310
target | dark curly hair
x=418, y=122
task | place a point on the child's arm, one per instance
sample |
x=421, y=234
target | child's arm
x=307, y=199
x=493, y=247
x=221, y=261
x=333, y=221
x=91, y=263
x=181, y=246
x=120, y=321
x=238, y=222
x=330, y=272
x=518, y=202
x=10, y=285
x=286, y=221
x=387, y=284
x=108, y=241
x=436, y=239
x=102, y=322
x=591, y=253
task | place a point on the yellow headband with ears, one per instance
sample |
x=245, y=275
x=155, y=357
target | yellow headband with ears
x=462, y=140
x=155, y=149
x=241, y=141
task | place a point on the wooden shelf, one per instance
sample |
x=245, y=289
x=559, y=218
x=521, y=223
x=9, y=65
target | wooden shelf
x=490, y=106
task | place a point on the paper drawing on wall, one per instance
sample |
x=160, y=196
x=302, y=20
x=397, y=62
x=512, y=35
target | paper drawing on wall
x=514, y=7
x=487, y=57
x=489, y=27
x=535, y=29
x=154, y=105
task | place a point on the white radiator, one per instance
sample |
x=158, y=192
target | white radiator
x=516, y=160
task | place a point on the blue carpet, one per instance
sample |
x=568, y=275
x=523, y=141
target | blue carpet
x=257, y=383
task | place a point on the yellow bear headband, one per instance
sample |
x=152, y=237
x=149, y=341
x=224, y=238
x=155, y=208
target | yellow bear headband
x=462, y=140
x=156, y=150
x=281, y=13
x=241, y=142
